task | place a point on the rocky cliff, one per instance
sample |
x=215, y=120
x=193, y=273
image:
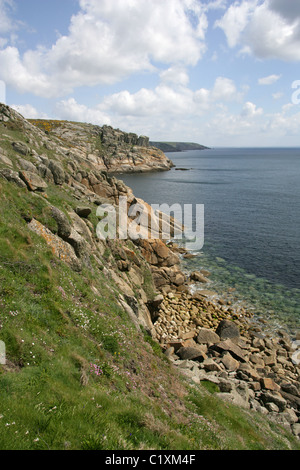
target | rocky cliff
x=62, y=155
x=105, y=148
x=106, y=347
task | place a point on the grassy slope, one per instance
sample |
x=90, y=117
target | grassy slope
x=78, y=374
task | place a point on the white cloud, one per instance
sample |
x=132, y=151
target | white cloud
x=70, y=110
x=196, y=118
x=225, y=90
x=235, y=20
x=277, y=95
x=175, y=75
x=169, y=100
x=266, y=29
x=165, y=110
x=24, y=75
x=108, y=41
x=250, y=110
x=29, y=111
x=285, y=123
x=6, y=24
x=269, y=80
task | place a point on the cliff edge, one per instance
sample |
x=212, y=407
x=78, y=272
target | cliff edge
x=105, y=148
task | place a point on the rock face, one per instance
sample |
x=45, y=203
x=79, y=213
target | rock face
x=33, y=181
x=105, y=148
x=75, y=160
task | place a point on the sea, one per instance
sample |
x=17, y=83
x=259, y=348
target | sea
x=251, y=200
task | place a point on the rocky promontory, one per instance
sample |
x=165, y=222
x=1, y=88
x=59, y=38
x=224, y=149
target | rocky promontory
x=178, y=146
x=105, y=148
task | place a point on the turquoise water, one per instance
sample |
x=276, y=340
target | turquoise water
x=251, y=200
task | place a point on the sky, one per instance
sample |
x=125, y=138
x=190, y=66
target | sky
x=217, y=72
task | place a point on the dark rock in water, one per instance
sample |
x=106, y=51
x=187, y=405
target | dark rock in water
x=200, y=294
x=198, y=277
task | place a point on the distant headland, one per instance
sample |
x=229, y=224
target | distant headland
x=177, y=146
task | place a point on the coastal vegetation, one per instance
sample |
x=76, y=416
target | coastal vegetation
x=84, y=368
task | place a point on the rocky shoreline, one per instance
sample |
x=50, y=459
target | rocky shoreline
x=210, y=340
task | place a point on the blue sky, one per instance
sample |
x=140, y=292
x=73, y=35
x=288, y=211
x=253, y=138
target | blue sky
x=216, y=72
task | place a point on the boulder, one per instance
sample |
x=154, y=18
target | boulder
x=269, y=396
x=211, y=366
x=247, y=372
x=235, y=398
x=59, y=247
x=13, y=177
x=290, y=388
x=269, y=384
x=169, y=351
x=188, y=335
x=198, y=277
x=191, y=353
x=228, y=330
x=21, y=148
x=201, y=294
x=207, y=336
x=26, y=165
x=156, y=302
x=83, y=211
x=230, y=347
x=57, y=172
x=64, y=226
x=33, y=181
x=296, y=429
x=5, y=160
x=229, y=362
x=45, y=173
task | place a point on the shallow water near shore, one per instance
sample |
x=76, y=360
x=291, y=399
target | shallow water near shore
x=252, y=223
x=276, y=306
